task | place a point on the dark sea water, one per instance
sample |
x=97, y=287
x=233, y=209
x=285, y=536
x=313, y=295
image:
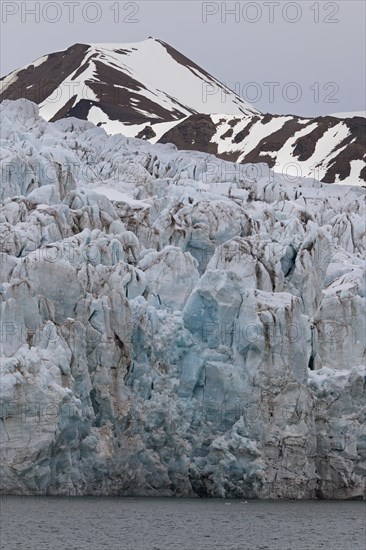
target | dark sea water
x=186, y=524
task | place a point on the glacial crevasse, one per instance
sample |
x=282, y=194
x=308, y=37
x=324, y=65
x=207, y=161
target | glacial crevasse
x=173, y=324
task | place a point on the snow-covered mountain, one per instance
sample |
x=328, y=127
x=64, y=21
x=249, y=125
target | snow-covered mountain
x=173, y=324
x=150, y=90
x=325, y=148
x=121, y=86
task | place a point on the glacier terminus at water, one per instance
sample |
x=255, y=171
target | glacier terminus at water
x=173, y=324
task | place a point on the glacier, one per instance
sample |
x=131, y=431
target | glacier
x=173, y=324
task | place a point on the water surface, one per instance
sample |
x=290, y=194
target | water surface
x=60, y=523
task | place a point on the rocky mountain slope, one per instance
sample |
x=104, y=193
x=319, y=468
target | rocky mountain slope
x=173, y=324
x=326, y=148
x=151, y=91
x=123, y=87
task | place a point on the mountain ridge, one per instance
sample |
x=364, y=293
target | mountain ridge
x=152, y=91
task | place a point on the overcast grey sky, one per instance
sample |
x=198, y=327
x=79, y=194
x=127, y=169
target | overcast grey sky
x=256, y=48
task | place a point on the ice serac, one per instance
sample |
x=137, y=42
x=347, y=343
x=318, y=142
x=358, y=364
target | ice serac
x=174, y=324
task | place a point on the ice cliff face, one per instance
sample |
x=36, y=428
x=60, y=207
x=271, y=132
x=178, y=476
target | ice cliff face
x=173, y=324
